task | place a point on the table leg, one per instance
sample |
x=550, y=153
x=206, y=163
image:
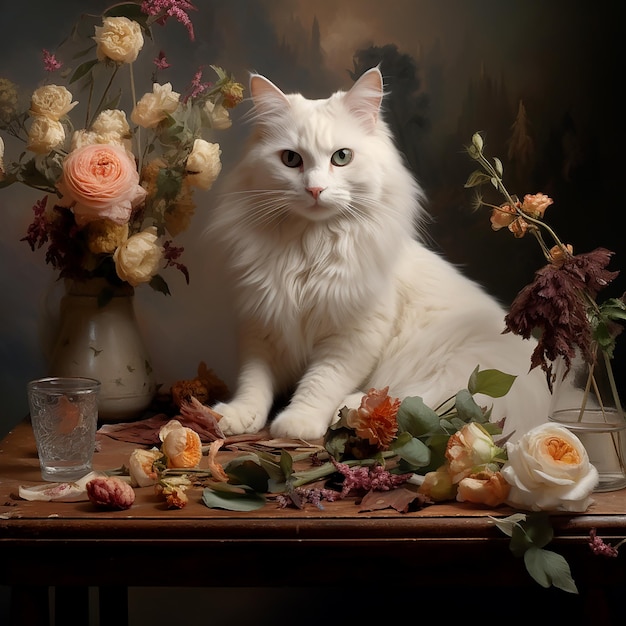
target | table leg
x=113, y=606
x=29, y=606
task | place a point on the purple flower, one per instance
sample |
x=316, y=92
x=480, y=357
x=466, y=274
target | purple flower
x=50, y=62
x=598, y=546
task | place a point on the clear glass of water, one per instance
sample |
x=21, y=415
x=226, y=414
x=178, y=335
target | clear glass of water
x=64, y=416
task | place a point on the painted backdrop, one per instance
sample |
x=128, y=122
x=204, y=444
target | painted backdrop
x=533, y=74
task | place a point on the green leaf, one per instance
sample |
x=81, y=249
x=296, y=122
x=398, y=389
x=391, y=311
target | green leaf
x=534, y=531
x=549, y=568
x=498, y=166
x=247, y=471
x=490, y=382
x=82, y=70
x=412, y=450
x=467, y=408
x=157, y=282
x=415, y=417
x=476, y=179
x=507, y=524
x=286, y=463
x=232, y=498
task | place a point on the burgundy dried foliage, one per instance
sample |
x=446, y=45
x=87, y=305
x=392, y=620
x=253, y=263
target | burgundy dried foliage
x=554, y=304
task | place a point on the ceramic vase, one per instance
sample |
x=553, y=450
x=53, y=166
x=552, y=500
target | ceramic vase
x=99, y=337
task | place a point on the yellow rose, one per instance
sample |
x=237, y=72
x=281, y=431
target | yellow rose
x=51, y=101
x=549, y=470
x=203, y=164
x=156, y=106
x=44, y=135
x=118, y=39
x=137, y=259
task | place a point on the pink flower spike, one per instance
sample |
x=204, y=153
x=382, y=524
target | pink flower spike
x=161, y=62
x=165, y=9
x=50, y=62
x=598, y=546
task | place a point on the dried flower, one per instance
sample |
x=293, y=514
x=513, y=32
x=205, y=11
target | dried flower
x=181, y=445
x=111, y=492
x=561, y=301
x=599, y=547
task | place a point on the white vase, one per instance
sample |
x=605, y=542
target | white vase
x=103, y=341
x=587, y=402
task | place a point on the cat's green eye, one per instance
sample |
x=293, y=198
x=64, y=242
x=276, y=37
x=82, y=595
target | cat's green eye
x=341, y=157
x=291, y=158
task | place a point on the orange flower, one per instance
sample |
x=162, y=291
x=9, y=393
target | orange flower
x=559, y=254
x=535, y=205
x=503, y=216
x=181, y=445
x=484, y=487
x=376, y=418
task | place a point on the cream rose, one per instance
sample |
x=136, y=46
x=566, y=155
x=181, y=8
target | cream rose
x=156, y=106
x=141, y=467
x=218, y=115
x=100, y=182
x=138, y=258
x=51, y=101
x=203, y=164
x=549, y=470
x=44, y=135
x=111, y=122
x=118, y=39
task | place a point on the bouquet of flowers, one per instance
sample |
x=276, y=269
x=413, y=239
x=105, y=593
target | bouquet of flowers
x=118, y=187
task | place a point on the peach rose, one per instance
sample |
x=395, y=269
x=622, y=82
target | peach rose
x=548, y=469
x=470, y=448
x=536, y=205
x=137, y=259
x=181, y=445
x=100, y=182
x=502, y=217
x=485, y=487
x=118, y=39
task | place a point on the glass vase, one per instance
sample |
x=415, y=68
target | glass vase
x=103, y=341
x=587, y=402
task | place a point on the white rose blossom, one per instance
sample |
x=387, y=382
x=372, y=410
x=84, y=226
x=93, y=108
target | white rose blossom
x=549, y=470
x=51, y=101
x=44, y=135
x=138, y=258
x=218, y=114
x=154, y=107
x=203, y=164
x=110, y=126
x=118, y=39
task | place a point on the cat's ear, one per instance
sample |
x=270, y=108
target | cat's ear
x=267, y=97
x=365, y=97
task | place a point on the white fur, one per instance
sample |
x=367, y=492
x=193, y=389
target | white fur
x=336, y=294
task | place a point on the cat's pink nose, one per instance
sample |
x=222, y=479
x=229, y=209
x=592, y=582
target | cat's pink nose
x=315, y=191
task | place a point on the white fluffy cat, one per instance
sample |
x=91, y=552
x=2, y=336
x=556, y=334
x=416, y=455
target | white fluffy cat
x=336, y=295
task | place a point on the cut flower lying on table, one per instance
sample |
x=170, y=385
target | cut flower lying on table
x=386, y=453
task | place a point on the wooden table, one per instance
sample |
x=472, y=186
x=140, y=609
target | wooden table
x=452, y=551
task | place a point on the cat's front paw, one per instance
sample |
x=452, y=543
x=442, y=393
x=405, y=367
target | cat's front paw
x=238, y=420
x=294, y=424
